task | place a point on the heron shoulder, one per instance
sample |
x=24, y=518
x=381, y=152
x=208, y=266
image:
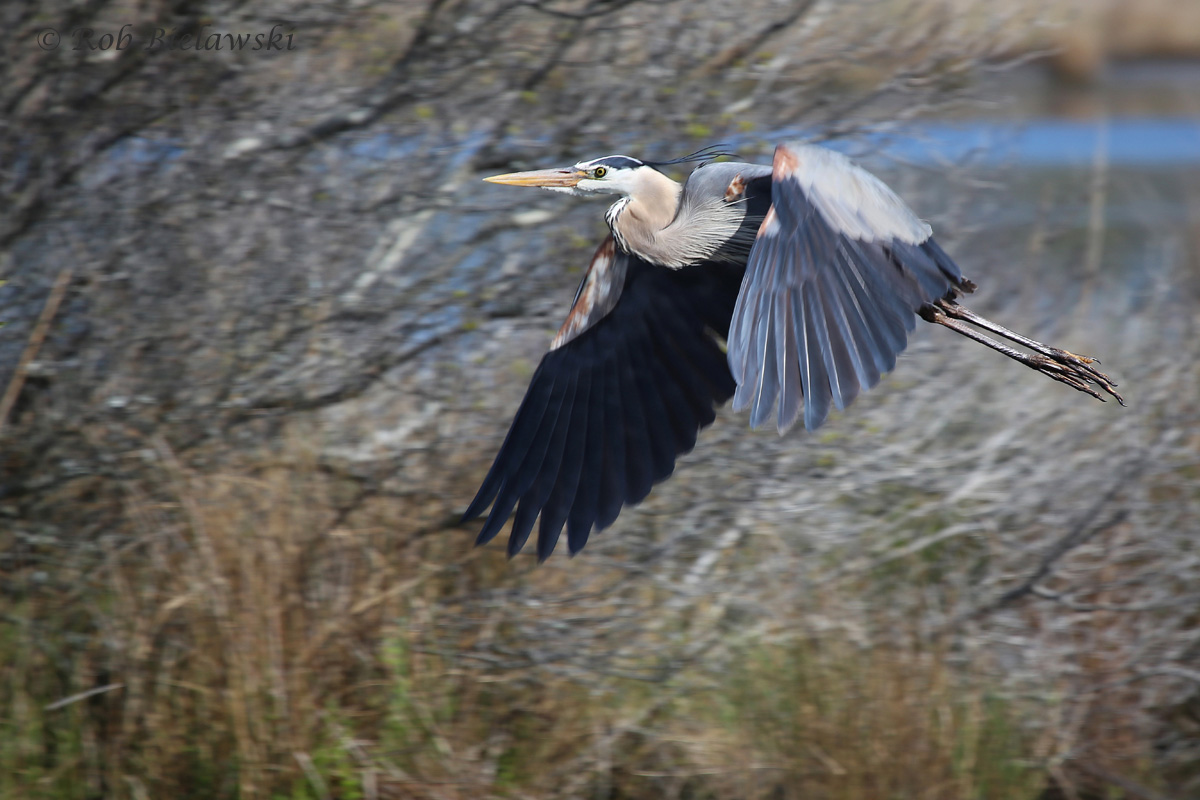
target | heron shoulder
x=711, y=182
x=853, y=201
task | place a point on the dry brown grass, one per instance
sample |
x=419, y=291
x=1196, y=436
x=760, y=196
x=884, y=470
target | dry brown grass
x=246, y=645
x=841, y=721
x=236, y=637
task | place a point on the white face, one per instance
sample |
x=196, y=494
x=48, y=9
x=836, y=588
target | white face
x=606, y=179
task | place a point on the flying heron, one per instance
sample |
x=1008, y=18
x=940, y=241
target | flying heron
x=811, y=271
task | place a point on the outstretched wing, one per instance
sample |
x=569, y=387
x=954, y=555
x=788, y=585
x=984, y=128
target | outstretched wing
x=836, y=276
x=633, y=375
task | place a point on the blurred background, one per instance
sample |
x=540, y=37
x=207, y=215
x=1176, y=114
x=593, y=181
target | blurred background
x=262, y=330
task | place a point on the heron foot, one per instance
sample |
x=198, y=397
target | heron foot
x=1073, y=370
x=1061, y=365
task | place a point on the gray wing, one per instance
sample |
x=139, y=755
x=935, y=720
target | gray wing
x=839, y=269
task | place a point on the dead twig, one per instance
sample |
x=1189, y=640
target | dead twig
x=36, y=338
x=1082, y=531
x=1129, y=787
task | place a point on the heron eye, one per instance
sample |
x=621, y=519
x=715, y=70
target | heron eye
x=599, y=172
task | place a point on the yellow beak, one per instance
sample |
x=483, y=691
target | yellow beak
x=552, y=178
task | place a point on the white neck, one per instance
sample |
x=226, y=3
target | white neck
x=655, y=222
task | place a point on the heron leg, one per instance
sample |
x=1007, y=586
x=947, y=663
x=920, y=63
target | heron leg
x=1061, y=365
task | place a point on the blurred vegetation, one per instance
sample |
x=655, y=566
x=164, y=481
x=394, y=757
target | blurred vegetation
x=261, y=333
x=246, y=646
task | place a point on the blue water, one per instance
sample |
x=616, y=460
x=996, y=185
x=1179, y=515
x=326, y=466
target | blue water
x=1145, y=142
x=1135, y=142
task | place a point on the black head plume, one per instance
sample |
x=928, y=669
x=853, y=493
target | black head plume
x=700, y=157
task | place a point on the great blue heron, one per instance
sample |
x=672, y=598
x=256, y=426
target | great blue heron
x=811, y=270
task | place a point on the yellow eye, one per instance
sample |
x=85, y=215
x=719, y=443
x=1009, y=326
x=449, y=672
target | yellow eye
x=599, y=172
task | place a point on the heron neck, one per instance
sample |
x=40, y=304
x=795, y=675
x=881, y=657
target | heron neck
x=654, y=204
x=639, y=220
x=676, y=226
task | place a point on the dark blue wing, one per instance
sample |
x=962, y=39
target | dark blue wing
x=836, y=276
x=632, y=377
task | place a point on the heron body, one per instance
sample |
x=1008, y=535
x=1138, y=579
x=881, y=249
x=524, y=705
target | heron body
x=810, y=271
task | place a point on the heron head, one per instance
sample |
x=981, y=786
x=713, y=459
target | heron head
x=618, y=175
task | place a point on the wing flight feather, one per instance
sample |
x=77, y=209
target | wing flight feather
x=834, y=282
x=633, y=375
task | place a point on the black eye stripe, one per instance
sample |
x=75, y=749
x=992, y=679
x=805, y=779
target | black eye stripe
x=616, y=162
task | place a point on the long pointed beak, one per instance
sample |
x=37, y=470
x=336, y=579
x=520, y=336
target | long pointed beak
x=549, y=178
